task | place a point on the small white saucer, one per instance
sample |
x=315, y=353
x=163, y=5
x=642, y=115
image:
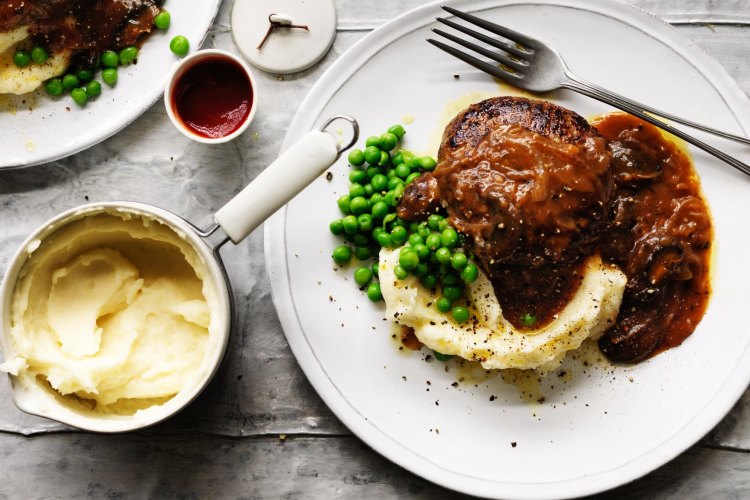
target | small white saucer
x=287, y=50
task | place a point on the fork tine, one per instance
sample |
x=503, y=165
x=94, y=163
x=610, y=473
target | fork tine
x=494, y=28
x=516, y=65
x=484, y=38
x=512, y=78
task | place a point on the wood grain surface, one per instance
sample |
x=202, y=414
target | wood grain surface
x=227, y=443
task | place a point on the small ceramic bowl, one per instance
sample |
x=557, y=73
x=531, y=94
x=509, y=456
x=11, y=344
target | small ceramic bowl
x=208, y=107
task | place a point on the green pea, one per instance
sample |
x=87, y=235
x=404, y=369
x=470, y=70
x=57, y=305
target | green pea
x=379, y=182
x=373, y=141
x=397, y=159
x=393, y=182
x=360, y=239
x=421, y=269
x=70, y=82
x=397, y=130
x=372, y=171
x=384, y=239
x=414, y=238
x=79, y=96
x=344, y=203
x=427, y=163
x=403, y=171
x=459, y=261
x=407, y=258
x=388, y=141
x=460, y=314
x=362, y=276
x=94, y=89
x=470, y=273
x=433, y=241
x=85, y=75
x=412, y=163
x=128, y=55
x=380, y=210
x=374, y=293
x=411, y=178
x=372, y=155
x=390, y=173
x=429, y=281
x=375, y=268
x=449, y=237
x=400, y=272
x=110, y=59
x=433, y=221
x=442, y=225
x=423, y=230
x=350, y=224
x=39, y=55
x=528, y=320
x=357, y=176
x=398, y=235
x=359, y=205
x=336, y=227
x=180, y=45
x=390, y=199
x=356, y=190
x=21, y=58
x=452, y=292
x=162, y=20
x=443, y=304
x=443, y=255
x=450, y=279
x=384, y=159
x=401, y=222
x=109, y=76
x=422, y=251
x=362, y=252
x=341, y=254
x=442, y=357
x=407, y=157
x=365, y=222
x=356, y=157
x=55, y=87
x=376, y=197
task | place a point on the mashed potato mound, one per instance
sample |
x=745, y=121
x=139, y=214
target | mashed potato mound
x=488, y=337
x=15, y=80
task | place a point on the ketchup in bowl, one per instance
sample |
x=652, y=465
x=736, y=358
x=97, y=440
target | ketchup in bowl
x=212, y=97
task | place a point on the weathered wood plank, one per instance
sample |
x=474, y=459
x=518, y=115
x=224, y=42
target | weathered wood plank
x=125, y=466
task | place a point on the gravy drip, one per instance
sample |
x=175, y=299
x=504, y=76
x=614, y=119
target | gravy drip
x=659, y=234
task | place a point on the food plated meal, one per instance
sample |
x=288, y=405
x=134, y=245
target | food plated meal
x=578, y=232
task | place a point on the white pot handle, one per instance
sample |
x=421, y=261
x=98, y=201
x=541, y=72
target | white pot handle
x=282, y=180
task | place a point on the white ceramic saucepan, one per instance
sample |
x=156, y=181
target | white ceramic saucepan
x=306, y=160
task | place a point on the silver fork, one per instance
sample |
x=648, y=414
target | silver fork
x=529, y=64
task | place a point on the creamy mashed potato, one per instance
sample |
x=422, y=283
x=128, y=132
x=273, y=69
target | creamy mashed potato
x=112, y=313
x=15, y=80
x=488, y=337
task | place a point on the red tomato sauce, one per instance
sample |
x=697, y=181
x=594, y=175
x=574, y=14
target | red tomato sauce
x=213, y=98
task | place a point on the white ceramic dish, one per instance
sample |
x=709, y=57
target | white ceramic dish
x=56, y=128
x=599, y=427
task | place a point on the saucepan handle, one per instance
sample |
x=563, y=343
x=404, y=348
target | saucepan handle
x=282, y=180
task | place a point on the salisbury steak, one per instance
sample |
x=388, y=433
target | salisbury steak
x=527, y=181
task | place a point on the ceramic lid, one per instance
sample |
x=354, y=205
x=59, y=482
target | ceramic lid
x=287, y=49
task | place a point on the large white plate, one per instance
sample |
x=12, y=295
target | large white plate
x=37, y=129
x=599, y=427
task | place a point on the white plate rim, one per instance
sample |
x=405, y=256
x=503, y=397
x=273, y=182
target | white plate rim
x=128, y=117
x=276, y=267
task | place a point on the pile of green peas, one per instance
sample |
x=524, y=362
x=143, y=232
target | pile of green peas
x=431, y=249
x=81, y=84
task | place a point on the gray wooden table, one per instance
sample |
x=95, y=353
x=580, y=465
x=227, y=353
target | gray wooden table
x=260, y=430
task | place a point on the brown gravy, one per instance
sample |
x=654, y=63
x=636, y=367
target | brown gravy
x=630, y=195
